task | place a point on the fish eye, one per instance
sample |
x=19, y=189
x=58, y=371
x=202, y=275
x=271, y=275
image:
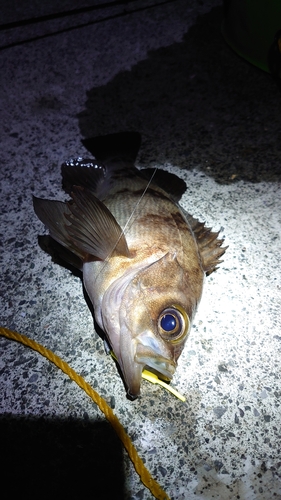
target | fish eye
x=173, y=324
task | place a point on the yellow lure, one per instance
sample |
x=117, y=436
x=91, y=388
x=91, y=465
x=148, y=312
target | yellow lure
x=154, y=379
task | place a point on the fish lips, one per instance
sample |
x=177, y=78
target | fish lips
x=164, y=368
x=148, y=352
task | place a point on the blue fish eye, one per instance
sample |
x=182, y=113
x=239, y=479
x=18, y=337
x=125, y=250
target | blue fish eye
x=168, y=322
x=173, y=324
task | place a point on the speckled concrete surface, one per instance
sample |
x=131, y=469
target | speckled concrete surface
x=208, y=116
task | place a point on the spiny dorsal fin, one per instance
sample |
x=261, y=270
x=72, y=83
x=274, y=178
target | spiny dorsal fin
x=209, y=245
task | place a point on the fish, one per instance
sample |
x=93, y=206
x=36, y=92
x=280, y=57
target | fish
x=143, y=257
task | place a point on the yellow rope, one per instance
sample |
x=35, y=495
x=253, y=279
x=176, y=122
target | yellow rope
x=144, y=474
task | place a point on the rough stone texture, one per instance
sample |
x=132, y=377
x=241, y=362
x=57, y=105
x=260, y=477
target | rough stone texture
x=213, y=119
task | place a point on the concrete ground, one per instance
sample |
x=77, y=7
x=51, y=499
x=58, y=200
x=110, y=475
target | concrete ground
x=213, y=119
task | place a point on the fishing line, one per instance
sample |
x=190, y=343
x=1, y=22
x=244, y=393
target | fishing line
x=128, y=221
x=105, y=262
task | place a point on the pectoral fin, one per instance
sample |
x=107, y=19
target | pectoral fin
x=92, y=227
x=52, y=214
x=84, y=225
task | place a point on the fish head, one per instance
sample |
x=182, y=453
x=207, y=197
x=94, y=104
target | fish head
x=155, y=317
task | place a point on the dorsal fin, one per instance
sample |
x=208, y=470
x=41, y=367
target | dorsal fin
x=209, y=245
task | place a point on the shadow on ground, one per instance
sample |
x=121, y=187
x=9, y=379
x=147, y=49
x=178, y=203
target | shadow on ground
x=196, y=104
x=59, y=458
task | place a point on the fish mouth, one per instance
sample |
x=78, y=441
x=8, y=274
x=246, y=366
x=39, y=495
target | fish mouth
x=160, y=365
x=145, y=351
x=149, y=353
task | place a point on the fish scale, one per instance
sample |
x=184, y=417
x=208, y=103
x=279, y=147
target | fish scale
x=146, y=215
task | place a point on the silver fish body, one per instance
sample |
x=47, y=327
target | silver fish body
x=143, y=257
